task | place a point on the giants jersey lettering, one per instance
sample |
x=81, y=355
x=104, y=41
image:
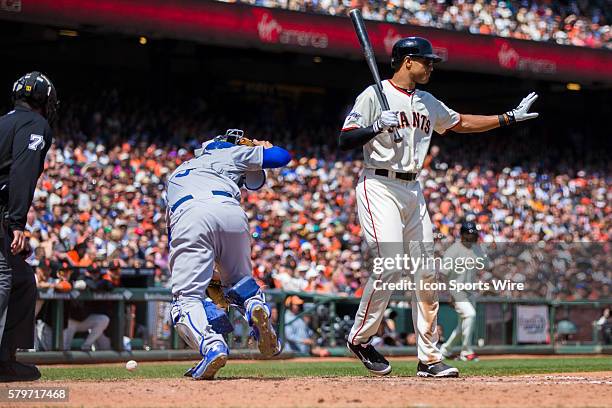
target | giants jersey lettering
x=420, y=114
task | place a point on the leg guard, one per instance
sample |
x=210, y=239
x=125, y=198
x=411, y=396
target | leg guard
x=245, y=289
x=247, y=296
x=218, y=319
x=191, y=321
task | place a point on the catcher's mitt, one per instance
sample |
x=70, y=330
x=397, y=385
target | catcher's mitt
x=215, y=292
x=245, y=141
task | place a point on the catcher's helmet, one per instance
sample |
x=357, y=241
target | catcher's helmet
x=412, y=47
x=469, y=229
x=38, y=91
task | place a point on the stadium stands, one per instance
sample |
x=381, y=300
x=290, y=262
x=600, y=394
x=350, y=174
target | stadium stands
x=578, y=23
x=101, y=200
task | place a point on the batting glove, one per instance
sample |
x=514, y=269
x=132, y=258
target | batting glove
x=521, y=112
x=387, y=121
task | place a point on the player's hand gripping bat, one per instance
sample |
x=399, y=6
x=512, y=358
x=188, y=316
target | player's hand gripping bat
x=364, y=40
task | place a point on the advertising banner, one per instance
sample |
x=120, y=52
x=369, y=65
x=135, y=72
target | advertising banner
x=248, y=26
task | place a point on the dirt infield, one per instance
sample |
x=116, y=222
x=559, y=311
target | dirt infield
x=562, y=390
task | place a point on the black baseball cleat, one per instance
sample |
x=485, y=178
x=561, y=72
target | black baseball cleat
x=15, y=371
x=375, y=362
x=438, y=370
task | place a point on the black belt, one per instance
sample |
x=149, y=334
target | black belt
x=401, y=176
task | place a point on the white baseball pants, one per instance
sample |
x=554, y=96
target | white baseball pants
x=463, y=330
x=394, y=219
x=94, y=324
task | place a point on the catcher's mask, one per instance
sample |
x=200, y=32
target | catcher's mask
x=233, y=136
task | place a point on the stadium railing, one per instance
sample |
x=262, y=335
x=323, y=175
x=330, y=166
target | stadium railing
x=503, y=325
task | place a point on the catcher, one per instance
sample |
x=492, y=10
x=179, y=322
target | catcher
x=206, y=225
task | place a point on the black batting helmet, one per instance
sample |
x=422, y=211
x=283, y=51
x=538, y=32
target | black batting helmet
x=469, y=228
x=38, y=91
x=412, y=47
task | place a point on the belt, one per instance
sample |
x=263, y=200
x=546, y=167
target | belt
x=401, y=176
x=189, y=197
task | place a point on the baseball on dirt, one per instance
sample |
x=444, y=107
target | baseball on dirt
x=131, y=365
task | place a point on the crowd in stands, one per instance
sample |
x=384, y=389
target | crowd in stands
x=101, y=205
x=571, y=22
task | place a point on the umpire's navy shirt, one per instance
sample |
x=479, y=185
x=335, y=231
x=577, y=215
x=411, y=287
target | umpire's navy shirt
x=25, y=138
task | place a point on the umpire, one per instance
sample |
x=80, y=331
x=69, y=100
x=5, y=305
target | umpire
x=25, y=138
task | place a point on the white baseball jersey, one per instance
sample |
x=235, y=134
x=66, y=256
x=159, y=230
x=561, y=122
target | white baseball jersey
x=392, y=212
x=420, y=113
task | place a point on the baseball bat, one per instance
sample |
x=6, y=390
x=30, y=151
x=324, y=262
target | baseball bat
x=364, y=40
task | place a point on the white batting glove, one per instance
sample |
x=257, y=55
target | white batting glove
x=521, y=112
x=387, y=121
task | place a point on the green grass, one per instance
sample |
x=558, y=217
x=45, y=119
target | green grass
x=321, y=368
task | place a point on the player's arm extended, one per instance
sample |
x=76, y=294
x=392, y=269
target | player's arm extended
x=273, y=156
x=482, y=123
x=476, y=123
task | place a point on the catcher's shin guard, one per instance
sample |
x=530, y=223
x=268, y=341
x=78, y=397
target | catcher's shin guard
x=247, y=296
x=243, y=290
x=250, y=300
x=217, y=318
x=199, y=323
x=258, y=316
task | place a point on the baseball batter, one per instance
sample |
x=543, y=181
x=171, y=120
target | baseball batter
x=391, y=208
x=207, y=224
x=467, y=248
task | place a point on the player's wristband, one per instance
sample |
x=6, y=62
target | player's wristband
x=377, y=127
x=506, y=119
